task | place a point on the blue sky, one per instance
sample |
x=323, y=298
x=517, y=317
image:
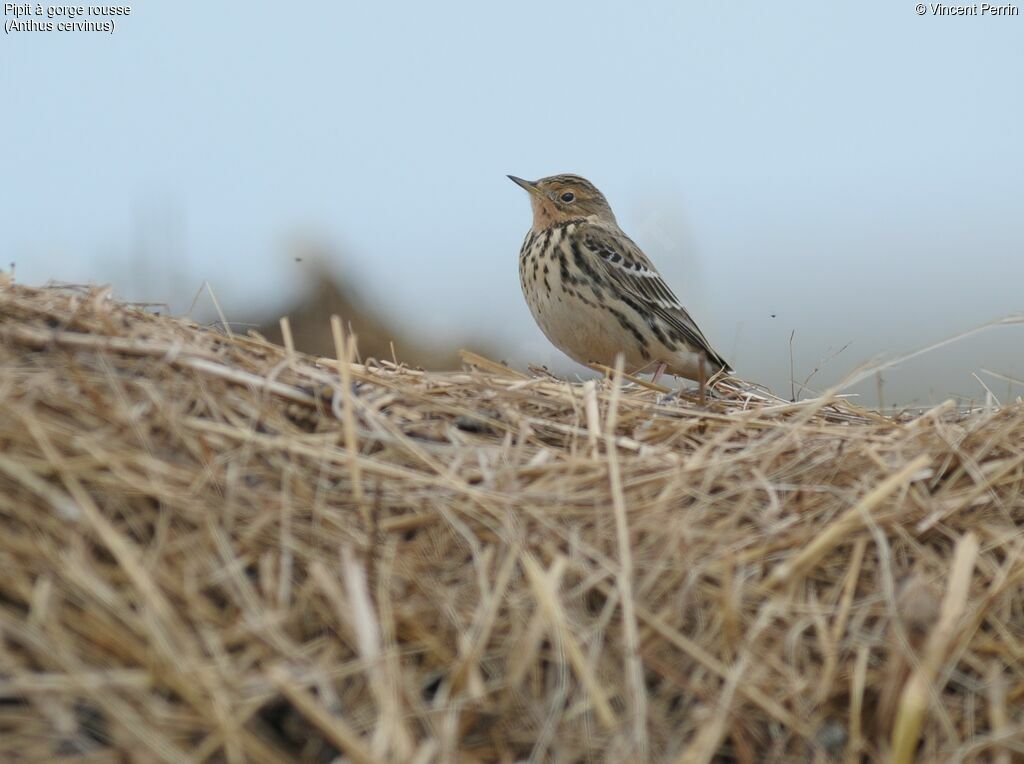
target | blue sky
x=855, y=170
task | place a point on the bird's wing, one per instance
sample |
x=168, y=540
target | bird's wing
x=629, y=269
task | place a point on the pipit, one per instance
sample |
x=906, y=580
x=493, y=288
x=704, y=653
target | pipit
x=595, y=294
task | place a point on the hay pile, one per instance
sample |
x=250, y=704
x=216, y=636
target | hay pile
x=211, y=552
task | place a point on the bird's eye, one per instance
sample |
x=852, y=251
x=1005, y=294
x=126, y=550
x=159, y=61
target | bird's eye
x=568, y=196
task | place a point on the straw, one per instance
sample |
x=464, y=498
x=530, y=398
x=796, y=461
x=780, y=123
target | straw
x=218, y=549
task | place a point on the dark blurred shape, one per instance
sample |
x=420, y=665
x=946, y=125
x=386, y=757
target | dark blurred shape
x=378, y=336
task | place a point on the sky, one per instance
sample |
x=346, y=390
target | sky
x=822, y=184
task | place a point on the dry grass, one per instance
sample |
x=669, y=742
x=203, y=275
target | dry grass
x=211, y=552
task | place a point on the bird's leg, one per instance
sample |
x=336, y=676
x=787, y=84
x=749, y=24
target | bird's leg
x=702, y=380
x=658, y=371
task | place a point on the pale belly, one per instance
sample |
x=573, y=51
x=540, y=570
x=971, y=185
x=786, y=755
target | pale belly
x=585, y=333
x=584, y=327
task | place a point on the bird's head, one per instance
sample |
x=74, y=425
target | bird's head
x=561, y=198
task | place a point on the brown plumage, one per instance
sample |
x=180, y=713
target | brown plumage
x=595, y=294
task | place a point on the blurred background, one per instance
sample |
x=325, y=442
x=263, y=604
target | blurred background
x=822, y=184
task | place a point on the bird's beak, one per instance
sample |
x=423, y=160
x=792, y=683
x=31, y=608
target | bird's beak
x=527, y=184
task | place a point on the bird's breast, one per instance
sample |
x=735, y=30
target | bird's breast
x=571, y=304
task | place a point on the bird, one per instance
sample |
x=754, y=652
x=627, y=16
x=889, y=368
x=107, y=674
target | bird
x=595, y=294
